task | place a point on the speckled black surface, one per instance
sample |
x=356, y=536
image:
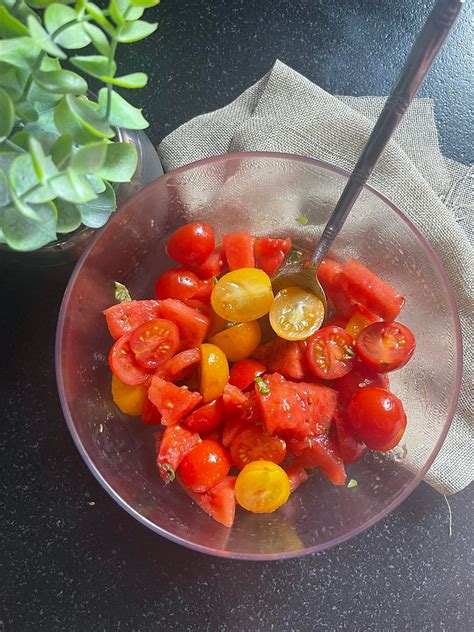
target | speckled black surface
x=72, y=559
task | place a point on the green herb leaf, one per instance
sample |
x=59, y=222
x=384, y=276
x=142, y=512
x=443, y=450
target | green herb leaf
x=121, y=293
x=7, y=118
x=42, y=38
x=98, y=38
x=120, y=163
x=133, y=80
x=295, y=255
x=352, y=483
x=167, y=472
x=25, y=233
x=122, y=113
x=134, y=31
x=96, y=212
x=56, y=16
x=69, y=218
x=94, y=65
x=302, y=220
x=61, y=82
x=90, y=158
x=10, y=26
x=262, y=387
x=214, y=280
x=19, y=51
x=61, y=149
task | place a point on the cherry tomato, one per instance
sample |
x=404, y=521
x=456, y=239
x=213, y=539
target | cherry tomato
x=205, y=466
x=360, y=377
x=125, y=317
x=207, y=417
x=238, y=341
x=385, y=346
x=330, y=353
x=242, y=295
x=214, y=372
x=176, y=283
x=244, y=372
x=130, y=399
x=360, y=319
x=191, y=244
x=296, y=314
x=204, y=290
x=254, y=444
x=154, y=342
x=123, y=363
x=262, y=487
x=377, y=417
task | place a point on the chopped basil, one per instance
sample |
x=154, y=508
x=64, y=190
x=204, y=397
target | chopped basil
x=214, y=280
x=167, y=472
x=262, y=387
x=121, y=293
x=352, y=483
x=295, y=255
x=302, y=220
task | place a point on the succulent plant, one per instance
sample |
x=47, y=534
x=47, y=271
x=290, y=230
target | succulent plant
x=58, y=156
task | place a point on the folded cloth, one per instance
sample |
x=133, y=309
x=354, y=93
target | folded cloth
x=285, y=112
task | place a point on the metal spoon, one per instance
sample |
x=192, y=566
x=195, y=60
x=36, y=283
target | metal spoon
x=423, y=53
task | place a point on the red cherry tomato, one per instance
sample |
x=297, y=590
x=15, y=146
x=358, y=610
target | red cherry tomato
x=256, y=445
x=123, y=363
x=385, y=346
x=176, y=283
x=213, y=265
x=360, y=377
x=244, y=372
x=205, y=466
x=191, y=244
x=377, y=417
x=204, y=290
x=207, y=417
x=330, y=353
x=154, y=342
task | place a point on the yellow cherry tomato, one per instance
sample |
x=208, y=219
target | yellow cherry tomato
x=296, y=314
x=262, y=487
x=242, y=295
x=238, y=341
x=214, y=372
x=129, y=399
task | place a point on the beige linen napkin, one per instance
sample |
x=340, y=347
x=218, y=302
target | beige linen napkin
x=285, y=112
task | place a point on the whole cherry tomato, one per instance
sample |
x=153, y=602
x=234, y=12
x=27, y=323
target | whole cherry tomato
x=177, y=283
x=191, y=244
x=205, y=466
x=238, y=341
x=214, y=372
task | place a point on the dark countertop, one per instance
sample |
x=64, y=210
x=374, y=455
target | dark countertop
x=72, y=559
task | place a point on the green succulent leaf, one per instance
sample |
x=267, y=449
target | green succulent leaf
x=94, y=11
x=135, y=31
x=56, y=16
x=61, y=149
x=25, y=233
x=7, y=118
x=145, y=4
x=42, y=38
x=133, y=80
x=97, y=212
x=4, y=193
x=90, y=159
x=122, y=113
x=61, y=82
x=26, y=112
x=38, y=158
x=21, y=139
x=81, y=119
x=23, y=207
x=94, y=65
x=25, y=182
x=19, y=51
x=96, y=183
x=69, y=218
x=11, y=79
x=116, y=13
x=44, y=129
x=72, y=187
x=42, y=4
x=120, y=164
x=10, y=26
x=98, y=38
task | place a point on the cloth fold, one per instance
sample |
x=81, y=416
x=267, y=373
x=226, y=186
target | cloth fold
x=285, y=112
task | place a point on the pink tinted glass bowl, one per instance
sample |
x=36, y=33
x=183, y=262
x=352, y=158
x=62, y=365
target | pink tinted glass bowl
x=264, y=194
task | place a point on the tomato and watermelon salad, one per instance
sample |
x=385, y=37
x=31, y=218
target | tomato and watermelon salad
x=242, y=417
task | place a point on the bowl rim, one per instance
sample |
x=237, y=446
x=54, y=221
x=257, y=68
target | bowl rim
x=372, y=520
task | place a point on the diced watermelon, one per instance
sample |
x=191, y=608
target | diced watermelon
x=125, y=317
x=205, y=290
x=350, y=448
x=150, y=413
x=365, y=287
x=172, y=446
x=232, y=427
x=286, y=357
x=240, y=405
x=213, y=266
x=173, y=402
x=238, y=248
x=270, y=253
x=180, y=366
x=218, y=502
x=296, y=475
x=320, y=452
x=192, y=325
x=330, y=277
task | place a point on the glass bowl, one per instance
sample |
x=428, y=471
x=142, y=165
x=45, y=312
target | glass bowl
x=264, y=194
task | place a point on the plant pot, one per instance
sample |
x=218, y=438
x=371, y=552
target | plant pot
x=68, y=247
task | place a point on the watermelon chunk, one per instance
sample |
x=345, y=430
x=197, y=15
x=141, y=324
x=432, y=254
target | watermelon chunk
x=350, y=448
x=321, y=452
x=330, y=277
x=218, y=502
x=296, y=475
x=238, y=248
x=125, y=317
x=192, y=325
x=270, y=253
x=172, y=446
x=173, y=402
x=285, y=357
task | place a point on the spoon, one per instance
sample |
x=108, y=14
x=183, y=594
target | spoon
x=423, y=53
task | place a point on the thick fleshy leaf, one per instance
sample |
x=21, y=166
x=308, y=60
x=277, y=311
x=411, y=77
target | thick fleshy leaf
x=56, y=16
x=116, y=13
x=134, y=31
x=38, y=158
x=133, y=80
x=19, y=51
x=21, y=139
x=10, y=26
x=98, y=38
x=120, y=164
x=42, y=4
x=24, y=233
x=122, y=113
x=90, y=159
x=4, y=195
x=96, y=213
x=44, y=129
x=94, y=11
x=27, y=112
x=72, y=187
x=11, y=78
x=23, y=207
x=23, y=178
x=94, y=65
x=61, y=149
x=7, y=118
x=146, y=4
x=80, y=119
x=69, y=217
x=42, y=38
x=61, y=81
x=96, y=183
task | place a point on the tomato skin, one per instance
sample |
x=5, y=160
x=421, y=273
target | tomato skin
x=238, y=341
x=360, y=319
x=262, y=476
x=124, y=317
x=172, y=446
x=129, y=399
x=218, y=502
x=253, y=444
x=238, y=248
x=173, y=402
x=205, y=466
x=123, y=363
x=204, y=291
x=191, y=244
x=270, y=253
x=177, y=283
x=360, y=377
x=154, y=342
x=377, y=417
x=330, y=353
x=244, y=372
x=192, y=325
x=213, y=266
x=207, y=417
x=385, y=347
x=320, y=452
x=242, y=295
x=286, y=357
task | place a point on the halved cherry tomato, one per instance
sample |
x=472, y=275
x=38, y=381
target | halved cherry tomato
x=242, y=295
x=238, y=248
x=191, y=244
x=218, y=502
x=172, y=446
x=270, y=253
x=360, y=319
x=254, y=444
x=330, y=353
x=154, y=342
x=180, y=366
x=296, y=314
x=177, y=283
x=173, y=402
x=238, y=341
x=244, y=372
x=123, y=363
x=214, y=372
x=205, y=466
x=213, y=265
x=262, y=487
x=124, y=317
x=377, y=417
x=192, y=325
x=385, y=346
x=130, y=399
x=207, y=417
